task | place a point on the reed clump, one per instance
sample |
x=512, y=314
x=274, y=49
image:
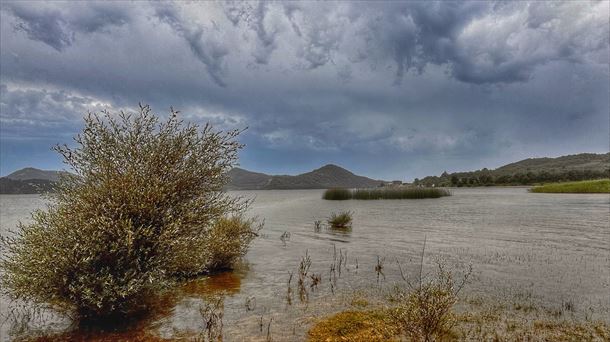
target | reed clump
x=385, y=193
x=337, y=194
x=342, y=220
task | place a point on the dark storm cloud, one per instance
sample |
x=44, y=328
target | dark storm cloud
x=396, y=89
x=57, y=26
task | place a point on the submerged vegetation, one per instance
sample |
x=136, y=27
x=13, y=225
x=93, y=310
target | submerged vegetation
x=429, y=311
x=480, y=324
x=385, y=193
x=590, y=186
x=143, y=204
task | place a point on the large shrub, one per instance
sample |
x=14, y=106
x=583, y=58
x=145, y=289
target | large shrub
x=143, y=195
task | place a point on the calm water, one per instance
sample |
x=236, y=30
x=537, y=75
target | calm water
x=547, y=248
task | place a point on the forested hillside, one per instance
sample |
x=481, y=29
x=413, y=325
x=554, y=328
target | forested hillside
x=529, y=171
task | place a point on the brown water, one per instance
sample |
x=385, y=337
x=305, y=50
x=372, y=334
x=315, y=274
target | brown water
x=544, y=248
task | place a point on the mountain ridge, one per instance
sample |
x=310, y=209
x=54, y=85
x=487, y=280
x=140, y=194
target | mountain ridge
x=31, y=180
x=327, y=176
x=526, y=171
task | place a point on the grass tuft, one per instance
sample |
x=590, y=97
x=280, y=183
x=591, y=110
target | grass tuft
x=342, y=220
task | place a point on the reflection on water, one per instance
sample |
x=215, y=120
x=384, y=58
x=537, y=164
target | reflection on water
x=225, y=283
x=205, y=290
x=548, y=248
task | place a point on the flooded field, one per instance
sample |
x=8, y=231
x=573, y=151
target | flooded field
x=541, y=249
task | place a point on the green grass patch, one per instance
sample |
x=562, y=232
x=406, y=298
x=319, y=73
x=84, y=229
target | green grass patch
x=385, y=193
x=582, y=187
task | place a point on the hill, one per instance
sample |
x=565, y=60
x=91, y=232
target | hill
x=575, y=162
x=31, y=173
x=31, y=180
x=328, y=176
x=529, y=171
x=244, y=179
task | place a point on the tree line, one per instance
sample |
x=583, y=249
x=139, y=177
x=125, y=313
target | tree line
x=486, y=177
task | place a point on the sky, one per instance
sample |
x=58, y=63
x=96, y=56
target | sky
x=389, y=90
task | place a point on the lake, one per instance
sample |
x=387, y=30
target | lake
x=548, y=248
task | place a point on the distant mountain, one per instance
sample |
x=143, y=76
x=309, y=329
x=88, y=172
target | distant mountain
x=328, y=176
x=31, y=180
x=529, y=171
x=31, y=173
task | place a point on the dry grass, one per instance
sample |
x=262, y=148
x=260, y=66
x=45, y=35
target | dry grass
x=374, y=325
x=495, y=324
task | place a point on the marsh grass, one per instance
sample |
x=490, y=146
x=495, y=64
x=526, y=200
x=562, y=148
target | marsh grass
x=337, y=194
x=590, y=186
x=385, y=193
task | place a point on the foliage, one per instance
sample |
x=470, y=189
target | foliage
x=592, y=186
x=342, y=220
x=385, y=193
x=142, y=196
x=229, y=240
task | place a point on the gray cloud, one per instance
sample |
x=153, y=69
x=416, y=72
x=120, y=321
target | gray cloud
x=43, y=113
x=56, y=24
x=208, y=50
x=371, y=85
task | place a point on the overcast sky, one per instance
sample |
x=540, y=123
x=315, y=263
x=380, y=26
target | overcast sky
x=388, y=90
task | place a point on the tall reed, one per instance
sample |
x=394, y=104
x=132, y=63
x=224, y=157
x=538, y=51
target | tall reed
x=337, y=194
x=385, y=193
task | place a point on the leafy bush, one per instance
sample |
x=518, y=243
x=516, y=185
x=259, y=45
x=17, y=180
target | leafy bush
x=342, y=220
x=227, y=240
x=143, y=195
